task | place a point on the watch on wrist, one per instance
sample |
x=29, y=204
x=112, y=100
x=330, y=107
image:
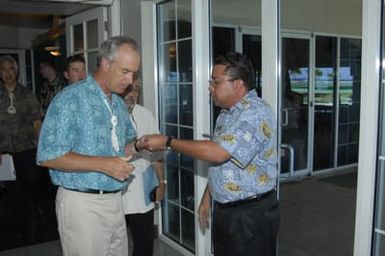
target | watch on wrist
x=168, y=143
x=163, y=182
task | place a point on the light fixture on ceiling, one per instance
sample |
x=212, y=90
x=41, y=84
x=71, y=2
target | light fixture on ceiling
x=53, y=50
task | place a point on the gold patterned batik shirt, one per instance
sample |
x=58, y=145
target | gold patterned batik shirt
x=248, y=132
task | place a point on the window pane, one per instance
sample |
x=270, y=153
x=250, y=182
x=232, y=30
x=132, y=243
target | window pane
x=166, y=21
x=187, y=188
x=184, y=18
x=186, y=105
x=78, y=38
x=185, y=61
x=186, y=161
x=170, y=103
x=172, y=183
x=188, y=229
x=92, y=34
x=167, y=66
x=172, y=227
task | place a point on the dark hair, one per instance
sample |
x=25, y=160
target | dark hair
x=110, y=46
x=238, y=66
x=74, y=58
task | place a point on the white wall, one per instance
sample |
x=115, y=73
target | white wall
x=14, y=38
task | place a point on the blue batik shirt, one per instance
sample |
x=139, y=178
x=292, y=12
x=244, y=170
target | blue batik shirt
x=248, y=132
x=78, y=120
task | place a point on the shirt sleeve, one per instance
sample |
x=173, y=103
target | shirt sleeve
x=58, y=133
x=244, y=141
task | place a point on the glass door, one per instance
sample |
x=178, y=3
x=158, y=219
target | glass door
x=85, y=32
x=295, y=105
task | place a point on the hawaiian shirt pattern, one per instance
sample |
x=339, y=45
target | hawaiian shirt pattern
x=78, y=120
x=49, y=90
x=248, y=132
x=16, y=130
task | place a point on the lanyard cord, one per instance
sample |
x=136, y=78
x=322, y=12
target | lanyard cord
x=114, y=123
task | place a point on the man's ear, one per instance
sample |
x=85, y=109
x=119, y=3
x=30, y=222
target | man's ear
x=238, y=84
x=65, y=74
x=104, y=63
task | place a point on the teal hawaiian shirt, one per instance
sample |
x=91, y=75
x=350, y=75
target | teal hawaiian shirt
x=248, y=132
x=79, y=120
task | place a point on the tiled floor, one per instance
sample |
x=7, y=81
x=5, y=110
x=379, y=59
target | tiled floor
x=317, y=219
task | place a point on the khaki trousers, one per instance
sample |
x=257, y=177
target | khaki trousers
x=91, y=224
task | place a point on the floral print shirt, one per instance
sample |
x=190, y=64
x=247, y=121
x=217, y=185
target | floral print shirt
x=248, y=132
x=79, y=120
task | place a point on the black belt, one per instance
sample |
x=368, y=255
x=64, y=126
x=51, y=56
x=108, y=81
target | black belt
x=247, y=200
x=94, y=191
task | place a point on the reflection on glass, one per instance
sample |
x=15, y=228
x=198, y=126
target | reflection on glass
x=167, y=68
x=324, y=102
x=185, y=61
x=166, y=21
x=295, y=90
x=252, y=47
x=170, y=103
x=184, y=18
x=186, y=104
x=187, y=188
x=78, y=38
x=171, y=227
x=172, y=183
x=92, y=34
x=349, y=100
x=188, y=230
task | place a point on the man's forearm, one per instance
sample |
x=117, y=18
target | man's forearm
x=73, y=161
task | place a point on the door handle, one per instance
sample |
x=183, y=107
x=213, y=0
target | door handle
x=286, y=115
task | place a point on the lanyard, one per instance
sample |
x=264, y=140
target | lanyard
x=114, y=123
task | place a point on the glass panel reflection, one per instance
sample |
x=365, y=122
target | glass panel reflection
x=184, y=18
x=166, y=21
x=167, y=68
x=324, y=102
x=170, y=103
x=171, y=224
x=172, y=176
x=188, y=229
x=349, y=100
x=78, y=38
x=92, y=34
x=186, y=105
x=185, y=61
x=295, y=94
x=187, y=188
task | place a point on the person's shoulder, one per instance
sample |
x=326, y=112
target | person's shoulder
x=142, y=111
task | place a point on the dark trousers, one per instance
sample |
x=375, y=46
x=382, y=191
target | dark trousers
x=248, y=229
x=142, y=231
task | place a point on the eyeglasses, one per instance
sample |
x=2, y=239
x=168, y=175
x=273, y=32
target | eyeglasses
x=218, y=82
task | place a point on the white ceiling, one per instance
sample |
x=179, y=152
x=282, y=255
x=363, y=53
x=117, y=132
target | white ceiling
x=35, y=13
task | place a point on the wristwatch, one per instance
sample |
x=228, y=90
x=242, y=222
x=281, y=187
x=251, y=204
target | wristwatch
x=168, y=143
x=163, y=182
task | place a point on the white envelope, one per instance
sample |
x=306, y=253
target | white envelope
x=7, y=168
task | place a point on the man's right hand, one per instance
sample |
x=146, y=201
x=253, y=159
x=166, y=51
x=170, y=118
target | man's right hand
x=118, y=168
x=204, y=209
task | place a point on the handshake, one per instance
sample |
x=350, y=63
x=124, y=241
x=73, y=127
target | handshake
x=153, y=142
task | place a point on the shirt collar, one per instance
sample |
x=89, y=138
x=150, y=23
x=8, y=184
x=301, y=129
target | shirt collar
x=242, y=103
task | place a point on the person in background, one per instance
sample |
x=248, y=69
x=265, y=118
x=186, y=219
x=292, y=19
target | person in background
x=85, y=140
x=139, y=211
x=243, y=176
x=75, y=70
x=20, y=122
x=52, y=84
